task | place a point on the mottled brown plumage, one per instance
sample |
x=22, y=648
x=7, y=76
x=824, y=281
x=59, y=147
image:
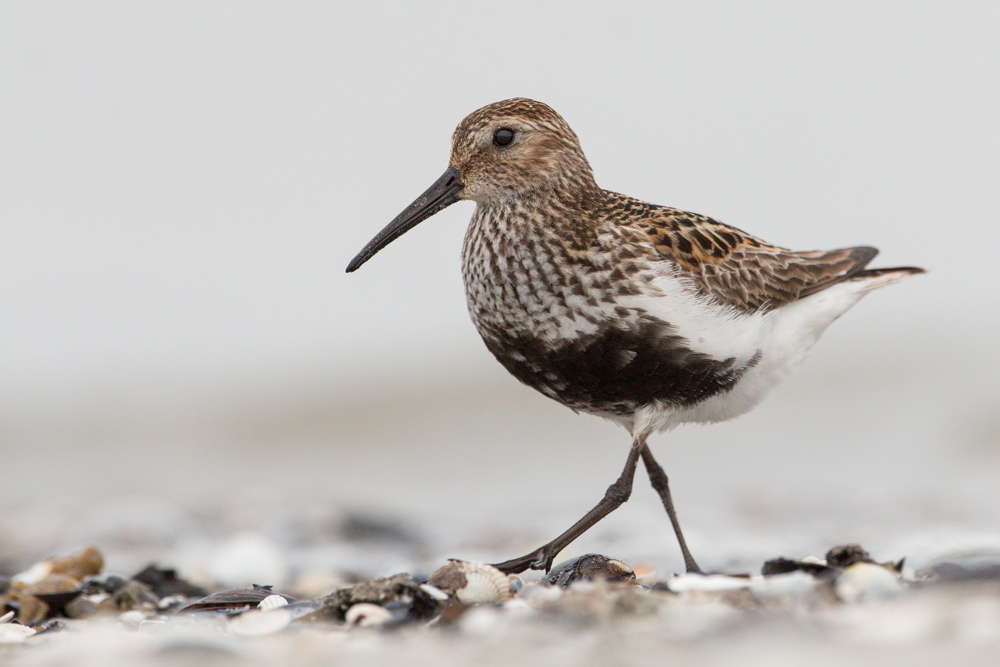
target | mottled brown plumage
x=644, y=314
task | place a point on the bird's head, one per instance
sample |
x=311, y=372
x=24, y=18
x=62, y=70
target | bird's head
x=506, y=150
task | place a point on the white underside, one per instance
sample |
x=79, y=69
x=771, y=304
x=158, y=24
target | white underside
x=783, y=337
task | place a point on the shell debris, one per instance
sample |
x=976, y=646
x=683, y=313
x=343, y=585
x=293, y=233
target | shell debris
x=590, y=567
x=366, y=614
x=867, y=581
x=272, y=602
x=14, y=633
x=408, y=599
x=471, y=583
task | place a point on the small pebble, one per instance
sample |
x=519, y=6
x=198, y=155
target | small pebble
x=867, y=581
x=132, y=618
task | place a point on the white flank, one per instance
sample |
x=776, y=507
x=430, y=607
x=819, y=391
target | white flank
x=783, y=337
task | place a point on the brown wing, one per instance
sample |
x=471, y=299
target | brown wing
x=743, y=271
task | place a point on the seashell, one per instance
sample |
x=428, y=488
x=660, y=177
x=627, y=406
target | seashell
x=58, y=602
x=399, y=592
x=133, y=595
x=590, y=567
x=172, y=603
x=472, y=583
x=365, y=614
x=132, y=618
x=14, y=633
x=256, y=623
x=272, y=602
x=434, y=592
x=78, y=566
x=867, y=581
x=7, y=618
x=233, y=599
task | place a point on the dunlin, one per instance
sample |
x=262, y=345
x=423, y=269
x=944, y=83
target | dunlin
x=643, y=314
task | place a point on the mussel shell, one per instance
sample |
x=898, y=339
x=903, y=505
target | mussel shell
x=399, y=594
x=233, y=600
x=590, y=567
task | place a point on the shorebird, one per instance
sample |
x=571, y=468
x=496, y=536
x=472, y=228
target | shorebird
x=646, y=315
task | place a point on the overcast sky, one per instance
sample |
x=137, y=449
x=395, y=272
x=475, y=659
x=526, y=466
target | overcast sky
x=183, y=183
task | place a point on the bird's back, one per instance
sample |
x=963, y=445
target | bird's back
x=610, y=304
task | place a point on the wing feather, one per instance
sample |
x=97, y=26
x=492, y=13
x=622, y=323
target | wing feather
x=734, y=267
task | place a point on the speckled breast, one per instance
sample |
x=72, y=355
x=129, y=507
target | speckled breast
x=554, y=322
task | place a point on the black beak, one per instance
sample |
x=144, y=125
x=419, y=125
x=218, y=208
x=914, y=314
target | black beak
x=438, y=197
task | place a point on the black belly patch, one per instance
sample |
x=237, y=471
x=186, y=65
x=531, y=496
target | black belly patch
x=617, y=370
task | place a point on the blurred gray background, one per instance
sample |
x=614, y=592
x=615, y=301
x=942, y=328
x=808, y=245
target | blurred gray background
x=183, y=358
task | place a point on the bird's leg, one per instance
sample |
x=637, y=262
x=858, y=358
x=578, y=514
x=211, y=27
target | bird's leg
x=658, y=478
x=617, y=493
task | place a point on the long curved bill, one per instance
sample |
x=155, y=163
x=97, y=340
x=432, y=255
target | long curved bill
x=439, y=196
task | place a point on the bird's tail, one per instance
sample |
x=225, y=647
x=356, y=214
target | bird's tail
x=872, y=279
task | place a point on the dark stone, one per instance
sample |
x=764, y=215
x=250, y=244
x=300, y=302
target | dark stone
x=164, y=582
x=846, y=555
x=978, y=568
x=57, y=602
x=783, y=565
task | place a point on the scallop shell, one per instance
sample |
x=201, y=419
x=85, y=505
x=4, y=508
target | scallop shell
x=473, y=583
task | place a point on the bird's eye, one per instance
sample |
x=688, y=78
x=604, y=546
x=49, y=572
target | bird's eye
x=503, y=136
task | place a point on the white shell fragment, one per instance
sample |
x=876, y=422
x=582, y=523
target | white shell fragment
x=255, y=623
x=14, y=633
x=434, y=592
x=132, y=618
x=7, y=618
x=867, y=581
x=473, y=583
x=365, y=614
x=272, y=602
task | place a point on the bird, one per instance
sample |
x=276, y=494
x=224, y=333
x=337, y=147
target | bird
x=646, y=315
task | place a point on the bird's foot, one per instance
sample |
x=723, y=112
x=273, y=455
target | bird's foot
x=540, y=559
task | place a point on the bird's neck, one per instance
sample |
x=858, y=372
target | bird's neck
x=567, y=214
